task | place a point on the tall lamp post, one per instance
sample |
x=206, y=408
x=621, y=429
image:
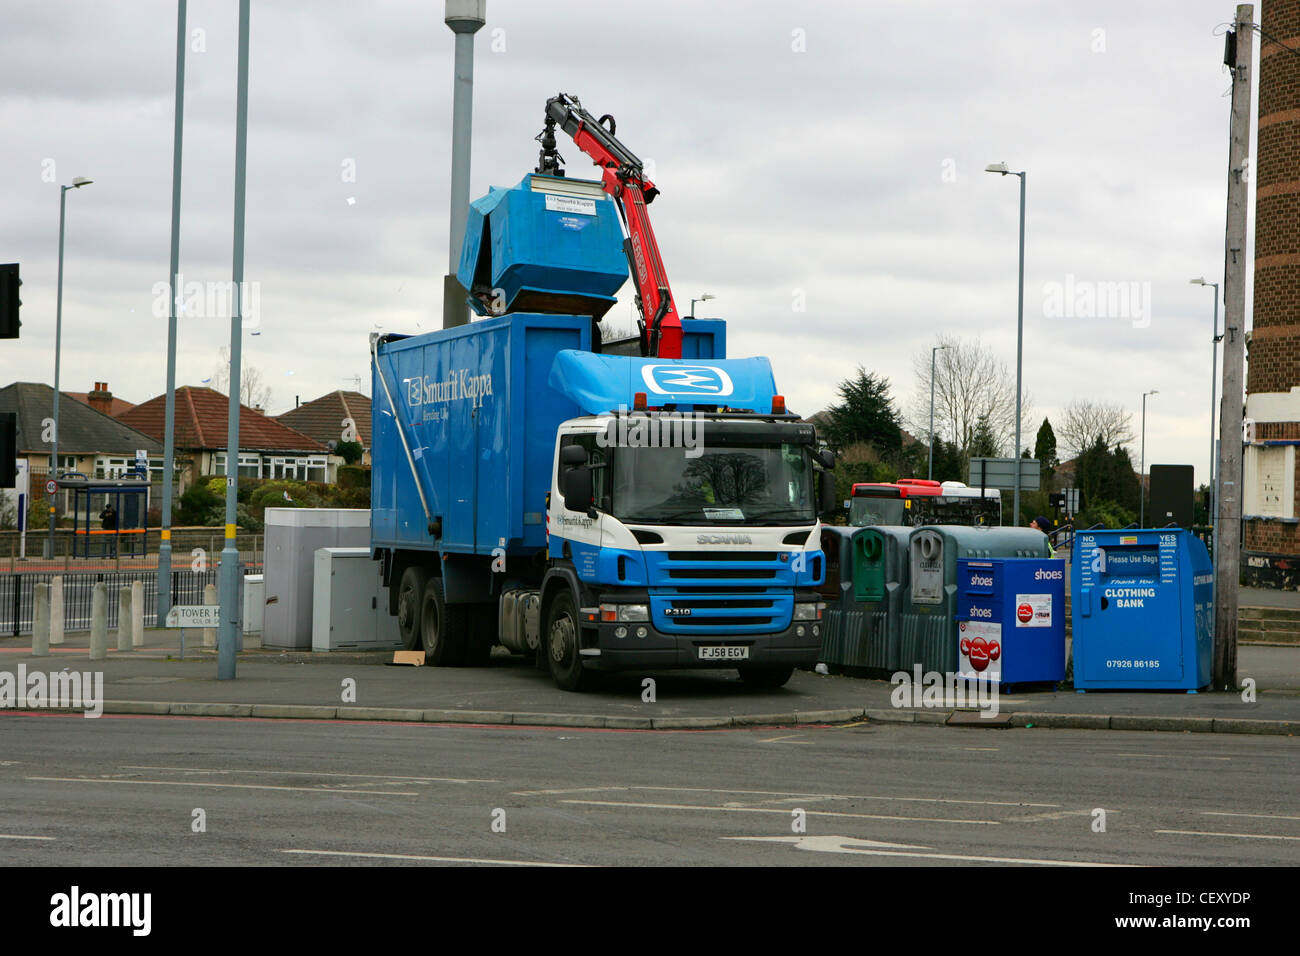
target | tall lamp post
x=704, y=298
x=1214, y=374
x=464, y=18
x=1142, y=472
x=77, y=183
x=1001, y=168
x=164, y=603
x=933, y=351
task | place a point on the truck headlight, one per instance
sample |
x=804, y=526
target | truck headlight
x=624, y=612
x=809, y=611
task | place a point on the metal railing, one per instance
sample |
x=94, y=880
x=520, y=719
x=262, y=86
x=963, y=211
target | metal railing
x=17, y=594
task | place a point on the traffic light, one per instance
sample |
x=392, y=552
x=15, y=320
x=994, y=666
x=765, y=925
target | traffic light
x=9, y=301
x=8, y=449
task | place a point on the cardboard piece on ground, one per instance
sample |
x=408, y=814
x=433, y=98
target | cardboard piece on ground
x=409, y=658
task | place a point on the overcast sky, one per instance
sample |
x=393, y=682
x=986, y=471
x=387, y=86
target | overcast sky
x=834, y=150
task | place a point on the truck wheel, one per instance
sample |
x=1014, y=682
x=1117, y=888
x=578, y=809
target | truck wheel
x=410, y=594
x=561, y=637
x=765, y=676
x=442, y=627
x=481, y=636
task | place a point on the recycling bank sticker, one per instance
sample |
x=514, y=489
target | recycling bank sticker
x=686, y=380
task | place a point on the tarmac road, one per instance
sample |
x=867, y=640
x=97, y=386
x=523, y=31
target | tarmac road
x=123, y=790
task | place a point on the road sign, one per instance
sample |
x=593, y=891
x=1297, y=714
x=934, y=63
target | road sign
x=202, y=615
x=51, y=486
x=1000, y=473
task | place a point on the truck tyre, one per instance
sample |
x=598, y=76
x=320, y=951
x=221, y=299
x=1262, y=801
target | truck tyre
x=482, y=634
x=410, y=595
x=766, y=676
x=443, y=627
x=561, y=636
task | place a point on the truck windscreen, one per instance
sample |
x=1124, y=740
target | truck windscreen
x=724, y=484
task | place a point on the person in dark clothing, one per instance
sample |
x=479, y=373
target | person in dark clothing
x=1042, y=524
x=108, y=522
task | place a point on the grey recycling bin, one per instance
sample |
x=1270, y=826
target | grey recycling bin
x=927, y=626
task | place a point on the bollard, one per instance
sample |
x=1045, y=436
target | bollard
x=124, y=619
x=210, y=633
x=137, y=614
x=56, y=610
x=41, y=621
x=99, y=622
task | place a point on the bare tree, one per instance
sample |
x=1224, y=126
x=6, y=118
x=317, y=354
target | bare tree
x=253, y=390
x=1085, y=422
x=970, y=383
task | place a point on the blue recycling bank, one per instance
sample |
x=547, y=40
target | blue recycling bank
x=1143, y=610
x=1011, y=619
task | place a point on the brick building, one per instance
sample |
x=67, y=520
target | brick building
x=1270, y=494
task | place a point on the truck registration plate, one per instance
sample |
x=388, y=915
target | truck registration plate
x=723, y=653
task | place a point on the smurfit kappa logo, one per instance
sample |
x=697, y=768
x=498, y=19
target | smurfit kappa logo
x=687, y=380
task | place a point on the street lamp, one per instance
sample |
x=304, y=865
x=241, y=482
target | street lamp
x=1142, y=481
x=704, y=298
x=933, y=352
x=77, y=183
x=1001, y=169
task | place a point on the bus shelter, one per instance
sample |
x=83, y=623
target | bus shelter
x=129, y=522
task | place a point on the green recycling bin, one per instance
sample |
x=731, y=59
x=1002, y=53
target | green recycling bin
x=927, y=629
x=880, y=574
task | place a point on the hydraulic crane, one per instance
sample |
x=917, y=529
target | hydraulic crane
x=623, y=177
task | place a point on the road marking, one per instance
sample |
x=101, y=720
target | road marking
x=1262, y=816
x=986, y=749
x=844, y=796
x=430, y=859
x=224, y=786
x=1177, y=756
x=811, y=813
x=1059, y=815
x=16, y=836
x=835, y=844
x=1243, y=836
x=790, y=738
x=321, y=773
x=547, y=793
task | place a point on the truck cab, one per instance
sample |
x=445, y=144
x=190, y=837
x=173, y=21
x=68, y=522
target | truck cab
x=692, y=540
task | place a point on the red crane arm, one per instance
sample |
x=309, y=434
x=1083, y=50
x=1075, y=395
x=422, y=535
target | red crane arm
x=623, y=177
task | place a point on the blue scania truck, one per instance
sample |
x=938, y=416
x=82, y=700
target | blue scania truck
x=602, y=512
x=525, y=492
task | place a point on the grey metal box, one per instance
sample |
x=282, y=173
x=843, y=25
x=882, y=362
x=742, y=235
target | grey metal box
x=350, y=603
x=293, y=536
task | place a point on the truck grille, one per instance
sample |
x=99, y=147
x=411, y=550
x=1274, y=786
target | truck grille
x=725, y=592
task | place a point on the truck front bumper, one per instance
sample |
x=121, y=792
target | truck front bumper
x=798, y=645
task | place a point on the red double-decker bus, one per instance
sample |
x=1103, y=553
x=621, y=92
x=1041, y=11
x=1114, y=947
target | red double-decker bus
x=918, y=501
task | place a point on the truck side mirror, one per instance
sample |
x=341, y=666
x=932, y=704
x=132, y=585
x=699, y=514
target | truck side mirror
x=828, y=496
x=827, y=458
x=578, y=491
x=572, y=456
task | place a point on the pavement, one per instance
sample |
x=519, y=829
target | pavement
x=269, y=683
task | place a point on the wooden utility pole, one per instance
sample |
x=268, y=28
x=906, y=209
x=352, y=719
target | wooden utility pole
x=1227, y=556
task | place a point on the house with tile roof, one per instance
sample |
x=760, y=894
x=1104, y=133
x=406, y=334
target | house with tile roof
x=267, y=448
x=91, y=443
x=333, y=417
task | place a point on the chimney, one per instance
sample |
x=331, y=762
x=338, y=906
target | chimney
x=101, y=399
